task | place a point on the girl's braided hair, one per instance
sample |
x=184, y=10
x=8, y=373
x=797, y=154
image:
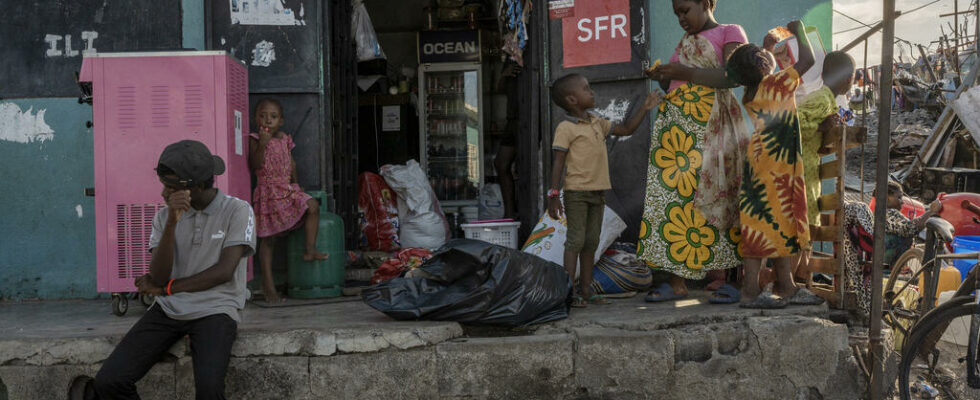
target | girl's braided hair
x=746, y=63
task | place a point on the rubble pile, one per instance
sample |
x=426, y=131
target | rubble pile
x=909, y=132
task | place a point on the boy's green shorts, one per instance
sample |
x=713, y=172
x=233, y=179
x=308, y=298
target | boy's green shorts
x=583, y=211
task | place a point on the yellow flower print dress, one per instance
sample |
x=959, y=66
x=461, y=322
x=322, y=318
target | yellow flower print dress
x=696, y=127
x=772, y=201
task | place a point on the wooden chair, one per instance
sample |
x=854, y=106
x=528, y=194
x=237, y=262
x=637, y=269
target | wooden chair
x=836, y=142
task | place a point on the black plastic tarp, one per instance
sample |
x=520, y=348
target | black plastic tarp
x=477, y=282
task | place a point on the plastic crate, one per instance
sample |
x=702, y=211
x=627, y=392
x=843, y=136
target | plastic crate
x=499, y=233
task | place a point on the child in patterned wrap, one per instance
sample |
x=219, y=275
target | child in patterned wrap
x=280, y=204
x=772, y=200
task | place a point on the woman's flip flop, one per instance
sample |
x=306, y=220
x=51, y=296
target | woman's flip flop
x=765, y=301
x=804, y=297
x=663, y=293
x=726, y=294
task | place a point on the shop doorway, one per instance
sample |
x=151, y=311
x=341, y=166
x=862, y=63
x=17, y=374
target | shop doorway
x=434, y=91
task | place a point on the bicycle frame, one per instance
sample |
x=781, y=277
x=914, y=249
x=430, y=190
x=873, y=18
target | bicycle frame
x=972, y=365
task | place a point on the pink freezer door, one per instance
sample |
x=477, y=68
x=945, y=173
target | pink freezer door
x=141, y=103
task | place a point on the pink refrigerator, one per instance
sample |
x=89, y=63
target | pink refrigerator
x=141, y=103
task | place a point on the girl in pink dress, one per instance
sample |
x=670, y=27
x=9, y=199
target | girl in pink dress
x=280, y=204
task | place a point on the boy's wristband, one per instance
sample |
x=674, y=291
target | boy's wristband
x=169, y=286
x=552, y=193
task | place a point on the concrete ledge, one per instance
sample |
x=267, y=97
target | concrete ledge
x=628, y=350
x=53, y=381
x=411, y=374
x=506, y=368
x=82, y=332
x=613, y=363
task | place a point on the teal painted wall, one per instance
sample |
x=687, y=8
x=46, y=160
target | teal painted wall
x=47, y=225
x=756, y=16
x=47, y=250
x=193, y=23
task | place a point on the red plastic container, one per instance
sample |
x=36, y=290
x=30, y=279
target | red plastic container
x=910, y=207
x=962, y=219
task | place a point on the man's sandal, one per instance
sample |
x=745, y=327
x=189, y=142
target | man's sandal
x=578, y=302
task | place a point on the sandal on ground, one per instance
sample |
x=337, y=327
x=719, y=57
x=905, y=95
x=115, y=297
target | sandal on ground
x=578, y=302
x=726, y=294
x=804, y=297
x=715, y=285
x=765, y=301
x=662, y=293
x=598, y=299
x=624, y=295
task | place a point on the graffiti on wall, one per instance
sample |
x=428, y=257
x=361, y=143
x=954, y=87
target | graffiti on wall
x=22, y=126
x=63, y=46
x=266, y=12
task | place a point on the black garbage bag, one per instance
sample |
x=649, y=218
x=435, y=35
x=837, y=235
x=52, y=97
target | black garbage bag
x=477, y=282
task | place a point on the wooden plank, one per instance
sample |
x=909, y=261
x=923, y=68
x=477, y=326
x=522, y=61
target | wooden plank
x=829, y=202
x=823, y=265
x=830, y=170
x=828, y=219
x=823, y=233
x=832, y=297
x=856, y=135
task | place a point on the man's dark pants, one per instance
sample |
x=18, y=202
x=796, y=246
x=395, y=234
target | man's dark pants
x=211, y=338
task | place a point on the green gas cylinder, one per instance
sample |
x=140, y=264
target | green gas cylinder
x=320, y=278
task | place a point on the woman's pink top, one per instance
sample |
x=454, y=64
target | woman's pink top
x=719, y=36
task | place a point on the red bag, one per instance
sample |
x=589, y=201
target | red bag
x=377, y=213
x=403, y=261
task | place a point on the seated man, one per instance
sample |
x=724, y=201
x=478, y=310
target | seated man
x=200, y=244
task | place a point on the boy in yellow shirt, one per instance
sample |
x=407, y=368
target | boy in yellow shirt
x=580, y=157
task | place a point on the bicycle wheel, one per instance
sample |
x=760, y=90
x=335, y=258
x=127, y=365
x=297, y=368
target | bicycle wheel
x=935, y=358
x=901, y=292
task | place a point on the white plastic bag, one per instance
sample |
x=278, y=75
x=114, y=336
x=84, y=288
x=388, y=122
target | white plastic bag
x=547, y=240
x=368, y=47
x=422, y=223
x=491, y=202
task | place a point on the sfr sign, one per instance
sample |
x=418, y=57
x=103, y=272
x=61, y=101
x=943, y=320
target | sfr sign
x=598, y=33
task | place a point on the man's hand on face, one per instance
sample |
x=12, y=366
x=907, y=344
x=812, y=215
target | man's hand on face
x=145, y=285
x=178, y=202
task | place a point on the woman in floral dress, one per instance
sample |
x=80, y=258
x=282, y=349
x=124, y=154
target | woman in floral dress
x=690, y=216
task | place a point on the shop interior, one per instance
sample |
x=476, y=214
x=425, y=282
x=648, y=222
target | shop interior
x=451, y=114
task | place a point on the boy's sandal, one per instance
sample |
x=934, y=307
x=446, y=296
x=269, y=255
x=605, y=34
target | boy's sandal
x=598, y=299
x=765, y=301
x=804, y=297
x=578, y=302
x=726, y=294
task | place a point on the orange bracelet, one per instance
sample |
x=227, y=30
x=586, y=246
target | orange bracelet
x=169, y=285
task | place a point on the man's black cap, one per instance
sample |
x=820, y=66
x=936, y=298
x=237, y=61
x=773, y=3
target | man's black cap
x=192, y=162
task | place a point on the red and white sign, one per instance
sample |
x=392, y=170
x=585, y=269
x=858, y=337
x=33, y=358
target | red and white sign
x=558, y=9
x=599, y=33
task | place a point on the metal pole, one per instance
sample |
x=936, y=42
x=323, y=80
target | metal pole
x=956, y=23
x=864, y=113
x=925, y=59
x=881, y=193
